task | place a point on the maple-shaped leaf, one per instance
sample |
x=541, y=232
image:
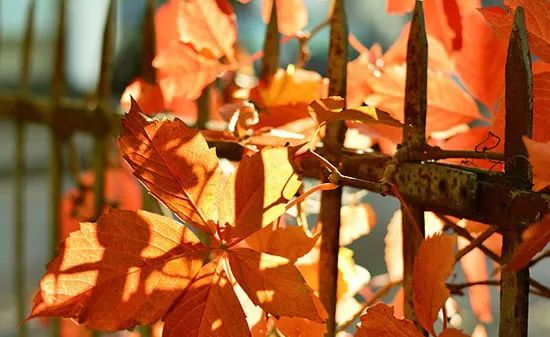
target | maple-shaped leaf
x=537, y=20
x=480, y=62
x=432, y=266
x=176, y=165
x=184, y=72
x=535, y=238
x=451, y=332
x=379, y=321
x=132, y=263
x=291, y=242
x=474, y=265
x=539, y=157
x=209, y=26
x=275, y=284
x=331, y=109
x=250, y=204
x=209, y=307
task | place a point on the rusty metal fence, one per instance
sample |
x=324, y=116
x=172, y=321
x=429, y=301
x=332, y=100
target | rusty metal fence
x=504, y=200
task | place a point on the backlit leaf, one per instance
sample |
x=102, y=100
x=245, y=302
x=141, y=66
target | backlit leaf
x=176, y=165
x=290, y=242
x=133, y=263
x=433, y=265
x=451, y=332
x=539, y=157
x=535, y=238
x=379, y=321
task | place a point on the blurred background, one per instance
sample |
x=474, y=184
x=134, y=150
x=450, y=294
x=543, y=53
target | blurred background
x=85, y=19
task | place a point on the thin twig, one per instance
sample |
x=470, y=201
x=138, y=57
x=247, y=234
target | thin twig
x=458, y=287
x=544, y=290
x=437, y=153
x=465, y=234
x=476, y=243
x=383, y=291
x=539, y=258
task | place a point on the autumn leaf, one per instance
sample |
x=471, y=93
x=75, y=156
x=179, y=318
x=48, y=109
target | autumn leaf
x=451, y=332
x=209, y=307
x=474, y=265
x=136, y=263
x=536, y=20
x=209, y=26
x=275, y=284
x=292, y=15
x=290, y=242
x=250, y=204
x=535, y=238
x=333, y=108
x=147, y=95
x=480, y=62
x=539, y=157
x=379, y=321
x=356, y=221
x=433, y=265
x=176, y=165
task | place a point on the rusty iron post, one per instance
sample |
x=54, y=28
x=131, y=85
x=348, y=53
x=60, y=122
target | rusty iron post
x=331, y=201
x=414, y=139
x=514, y=290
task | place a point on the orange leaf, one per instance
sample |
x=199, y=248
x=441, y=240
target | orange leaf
x=274, y=284
x=432, y=266
x=379, y=321
x=535, y=238
x=393, y=251
x=539, y=157
x=537, y=20
x=166, y=30
x=332, y=109
x=356, y=221
x=183, y=72
x=300, y=327
x=209, y=26
x=400, y=6
x=399, y=303
x=480, y=62
x=541, y=108
x=450, y=332
x=250, y=204
x=292, y=15
x=133, y=263
x=290, y=242
x=176, y=165
x=208, y=308
x=474, y=265
x=479, y=331
x=147, y=95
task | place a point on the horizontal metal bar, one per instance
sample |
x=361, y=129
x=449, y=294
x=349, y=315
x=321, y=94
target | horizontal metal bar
x=468, y=193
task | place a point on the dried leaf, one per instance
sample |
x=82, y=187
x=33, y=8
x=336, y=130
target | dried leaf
x=379, y=321
x=208, y=308
x=433, y=265
x=275, y=284
x=176, y=165
x=535, y=238
x=135, y=263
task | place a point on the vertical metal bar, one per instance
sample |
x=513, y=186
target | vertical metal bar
x=148, y=50
x=414, y=139
x=103, y=95
x=270, y=61
x=331, y=201
x=19, y=181
x=514, y=291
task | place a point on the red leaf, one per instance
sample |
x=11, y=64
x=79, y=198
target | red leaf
x=208, y=308
x=535, y=238
x=176, y=165
x=450, y=332
x=133, y=263
x=275, y=284
x=209, y=26
x=539, y=157
x=480, y=62
x=147, y=95
x=380, y=322
x=433, y=265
